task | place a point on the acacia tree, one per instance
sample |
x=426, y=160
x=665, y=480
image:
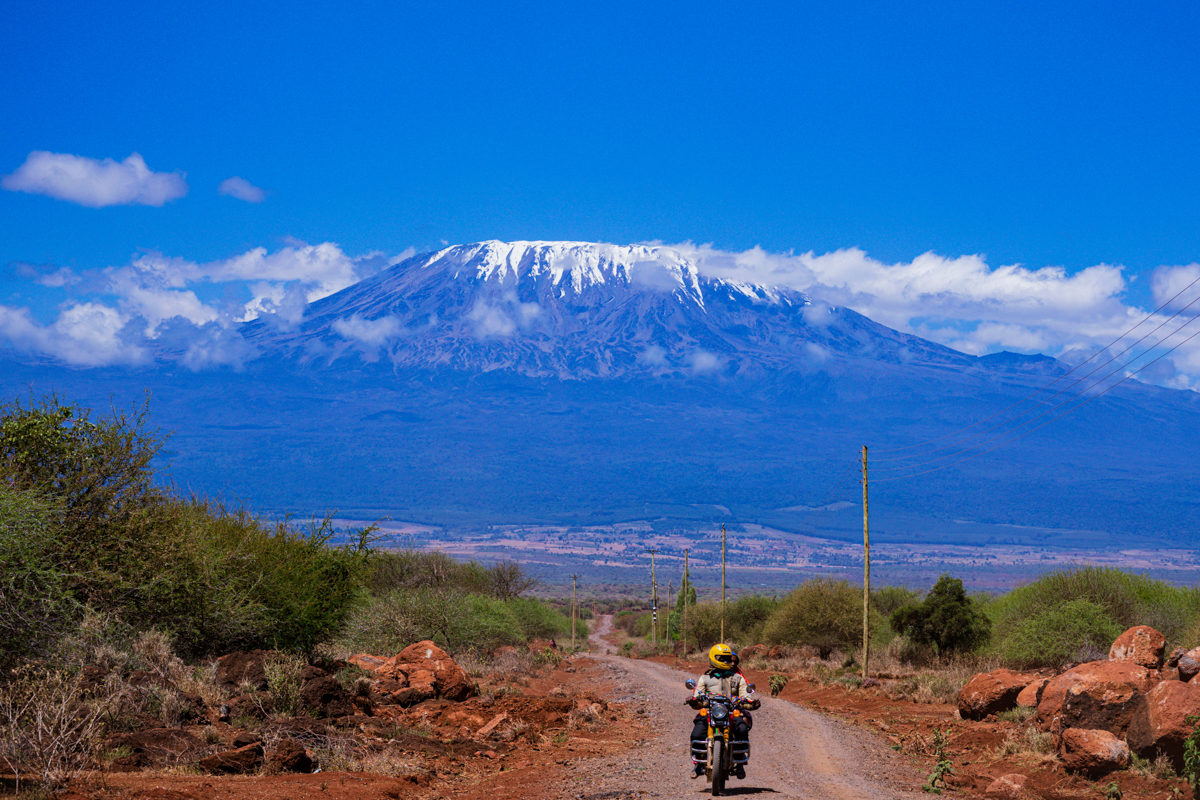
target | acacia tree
x=946, y=619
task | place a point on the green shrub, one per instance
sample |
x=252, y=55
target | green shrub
x=946, y=619
x=35, y=601
x=1126, y=598
x=703, y=624
x=459, y=623
x=540, y=620
x=1077, y=630
x=821, y=612
x=889, y=599
x=746, y=617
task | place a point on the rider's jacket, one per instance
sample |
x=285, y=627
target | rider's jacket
x=726, y=682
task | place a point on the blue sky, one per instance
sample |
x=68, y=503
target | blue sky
x=1048, y=135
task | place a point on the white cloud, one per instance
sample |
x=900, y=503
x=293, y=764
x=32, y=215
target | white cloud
x=157, y=302
x=242, y=189
x=703, y=361
x=85, y=334
x=369, y=335
x=94, y=183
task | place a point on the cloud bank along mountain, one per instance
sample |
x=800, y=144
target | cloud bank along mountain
x=581, y=310
x=166, y=308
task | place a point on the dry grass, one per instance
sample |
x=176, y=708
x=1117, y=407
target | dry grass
x=50, y=724
x=1029, y=741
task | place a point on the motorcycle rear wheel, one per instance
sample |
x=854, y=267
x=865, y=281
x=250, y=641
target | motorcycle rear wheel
x=718, y=767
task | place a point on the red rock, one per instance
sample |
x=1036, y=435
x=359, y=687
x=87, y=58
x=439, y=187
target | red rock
x=1092, y=753
x=367, y=662
x=1160, y=724
x=1031, y=695
x=775, y=653
x=1009, y=786
x=1100, y=705
x=290, y=756
x=147, y=747
x=240, y=666
x=411, y=695
x=1140, y=644
x=1050, y=706
x=326, y=697
x=1189, y=664
x=753, y=651
x=449, y=679
x=992, y=692
x=234, y=762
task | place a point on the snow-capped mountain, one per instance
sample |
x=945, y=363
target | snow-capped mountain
x=579, y=310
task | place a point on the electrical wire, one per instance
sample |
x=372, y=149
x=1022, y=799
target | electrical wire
x=1047, y=422
x=1056, y=380
x=1066, y=388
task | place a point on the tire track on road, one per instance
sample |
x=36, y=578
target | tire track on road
x=795, y=753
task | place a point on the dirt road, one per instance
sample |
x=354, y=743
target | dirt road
x=795, y=752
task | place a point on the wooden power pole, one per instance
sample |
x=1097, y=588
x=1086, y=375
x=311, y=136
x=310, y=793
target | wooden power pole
x=866, y=569
x=574, y=608
x=722, y=582
x=687, y=593
x=653, y=596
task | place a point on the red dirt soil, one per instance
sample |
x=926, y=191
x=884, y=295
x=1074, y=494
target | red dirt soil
x=527, y=753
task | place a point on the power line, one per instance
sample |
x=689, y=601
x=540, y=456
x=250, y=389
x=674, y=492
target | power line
x=1085, y=390
x=1056, y=380
x=1066, y=388
x=1047, y=422
x=841, y=486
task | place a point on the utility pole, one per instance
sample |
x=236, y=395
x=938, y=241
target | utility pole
x=574, y=608
x=722, y=582
x=653, y=596
x=866, y=569
x=667, y=620
x=687, y=593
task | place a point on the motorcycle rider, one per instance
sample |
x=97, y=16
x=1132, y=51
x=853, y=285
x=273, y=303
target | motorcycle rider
x=725, y=679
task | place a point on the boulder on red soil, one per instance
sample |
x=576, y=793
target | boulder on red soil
x=290, y=756
x=754, y=651
x=244, y=738
x=148, y=747
x=538, y=645
x=1031, y=695
x=992, y=692
x=1100, y=705
x=1050, y=707
x=240, y=666
x=775, y=653
x=1140, y=644
x=325, y=697
x=1092, y=753
x=1009, y=787
x=365, y=661
x=424, y=666
x=1160, y=724
x=234, y=762
x=257, y=705
x=1189, y=664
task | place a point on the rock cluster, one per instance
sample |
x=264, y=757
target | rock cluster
x=1102, y=711
x=420, y=672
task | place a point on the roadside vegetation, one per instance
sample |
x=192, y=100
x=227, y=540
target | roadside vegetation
x=104, y=568
x=929, y=644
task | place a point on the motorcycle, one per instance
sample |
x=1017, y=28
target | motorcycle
x=720, y=753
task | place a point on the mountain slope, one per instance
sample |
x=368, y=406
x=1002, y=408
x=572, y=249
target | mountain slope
x=574, y=310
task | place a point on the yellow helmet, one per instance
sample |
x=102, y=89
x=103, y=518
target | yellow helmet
x=721, y=656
